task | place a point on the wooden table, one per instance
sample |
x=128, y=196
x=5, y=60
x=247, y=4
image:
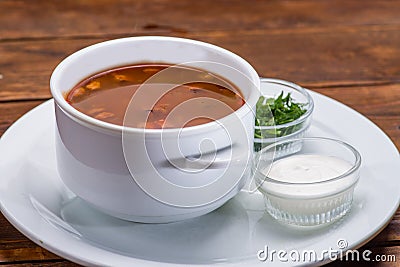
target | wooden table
x=347, y=50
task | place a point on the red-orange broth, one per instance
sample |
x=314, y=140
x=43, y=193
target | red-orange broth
x=106, y=96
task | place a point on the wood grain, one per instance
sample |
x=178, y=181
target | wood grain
x=14, y=247
x=381, y=100
x=380, y=104
x=10, y=112
x=127, y=17
x=315, y=59
x=47, y=263
x=19, y=253
x=390, y=236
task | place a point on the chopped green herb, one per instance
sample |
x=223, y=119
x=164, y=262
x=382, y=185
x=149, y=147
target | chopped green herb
x=277, y=111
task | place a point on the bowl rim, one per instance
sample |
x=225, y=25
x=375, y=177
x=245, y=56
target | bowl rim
x=114, y=128
x=354, y=168
x=303, y=91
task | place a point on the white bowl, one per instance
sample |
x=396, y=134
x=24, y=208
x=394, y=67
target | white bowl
x=154, y=175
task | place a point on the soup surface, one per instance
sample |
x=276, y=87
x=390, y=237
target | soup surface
x=155, y=96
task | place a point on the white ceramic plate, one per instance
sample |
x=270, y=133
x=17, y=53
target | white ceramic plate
x=36, y=202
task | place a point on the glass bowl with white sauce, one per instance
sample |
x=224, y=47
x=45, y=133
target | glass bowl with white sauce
x=311, y=186
x=276, y=124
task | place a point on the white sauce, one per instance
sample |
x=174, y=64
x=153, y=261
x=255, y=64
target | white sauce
x=302, y=171
x=304, y=198
x=308, y=168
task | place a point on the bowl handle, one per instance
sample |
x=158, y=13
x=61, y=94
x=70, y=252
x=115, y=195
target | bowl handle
x=212, y=160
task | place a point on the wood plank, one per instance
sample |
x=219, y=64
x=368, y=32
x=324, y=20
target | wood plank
x=390, y=235
x=390, y=126
x=9, y=113
x=336, y=58
x=51, y=263
x=8, y=233
x=381, y=100
x=16, y=247
x=44, y=19
x=16, y=254
x=314, y=59
x=380, y=104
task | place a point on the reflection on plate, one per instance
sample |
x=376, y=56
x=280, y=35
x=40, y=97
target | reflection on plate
x=36, y=202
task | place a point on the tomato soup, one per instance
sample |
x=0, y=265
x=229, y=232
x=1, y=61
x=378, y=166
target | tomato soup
x=189, y=97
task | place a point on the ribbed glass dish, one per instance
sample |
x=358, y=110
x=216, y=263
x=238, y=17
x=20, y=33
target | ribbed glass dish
x=314, y=202
x=272, y=88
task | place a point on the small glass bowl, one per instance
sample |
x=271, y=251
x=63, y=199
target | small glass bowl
x=321, y=197
x=295, y=129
